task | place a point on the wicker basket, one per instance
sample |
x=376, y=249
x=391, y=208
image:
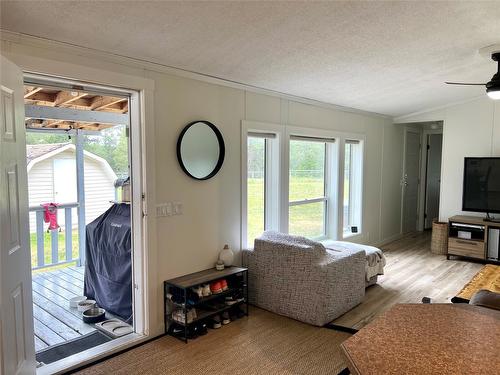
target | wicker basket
x=439, y=243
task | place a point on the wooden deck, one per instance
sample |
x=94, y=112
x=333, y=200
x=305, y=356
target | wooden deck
x=55, y=322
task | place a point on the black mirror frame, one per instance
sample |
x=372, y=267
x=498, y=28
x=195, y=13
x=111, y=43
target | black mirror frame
x=222, y=150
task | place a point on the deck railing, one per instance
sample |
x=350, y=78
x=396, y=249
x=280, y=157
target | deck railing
x=54, y=237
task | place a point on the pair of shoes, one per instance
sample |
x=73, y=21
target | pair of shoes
x=180, y=317
x=231, y=300
x=218, y=321
x=219, y=286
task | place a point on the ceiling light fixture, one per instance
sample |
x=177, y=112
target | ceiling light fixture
x=493, y=86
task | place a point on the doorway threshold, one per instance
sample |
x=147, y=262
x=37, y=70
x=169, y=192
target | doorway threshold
x=92, y=355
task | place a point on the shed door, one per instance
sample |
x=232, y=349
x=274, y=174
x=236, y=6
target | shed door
x=64, y=180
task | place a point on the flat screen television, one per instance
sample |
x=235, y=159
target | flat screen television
x=481, y=190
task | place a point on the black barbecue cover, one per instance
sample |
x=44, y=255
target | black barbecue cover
x=108, y=267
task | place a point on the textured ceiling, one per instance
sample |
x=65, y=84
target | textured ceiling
x=385, y=57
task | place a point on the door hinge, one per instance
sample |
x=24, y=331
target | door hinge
x=428, y=147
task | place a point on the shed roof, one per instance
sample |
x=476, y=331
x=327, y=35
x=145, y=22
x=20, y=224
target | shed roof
x=35, y=151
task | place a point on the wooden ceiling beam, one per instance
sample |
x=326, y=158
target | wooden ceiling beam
x=67, y=97
x=30, y=91
x=102, y=102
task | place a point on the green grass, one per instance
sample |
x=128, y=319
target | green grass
x=48, y=247
x=306, y=220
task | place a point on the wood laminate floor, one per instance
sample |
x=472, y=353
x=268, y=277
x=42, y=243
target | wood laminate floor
x=412, y=272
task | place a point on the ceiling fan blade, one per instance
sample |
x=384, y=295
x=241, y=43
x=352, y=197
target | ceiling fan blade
x=465, y=84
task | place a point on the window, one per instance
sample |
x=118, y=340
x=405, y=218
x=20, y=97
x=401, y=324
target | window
x=353, y=173
x=262, y=185
x=308, y=198
x=256, y=187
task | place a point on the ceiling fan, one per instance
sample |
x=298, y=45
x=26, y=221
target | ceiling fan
x=493, y=86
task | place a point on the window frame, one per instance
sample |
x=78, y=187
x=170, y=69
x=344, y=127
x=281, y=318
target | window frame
x=272, y=175
x=277, y=178
x=362, y=141
x=331, y=138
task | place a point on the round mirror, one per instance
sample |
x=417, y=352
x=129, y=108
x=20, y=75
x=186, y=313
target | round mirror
x=200, y=150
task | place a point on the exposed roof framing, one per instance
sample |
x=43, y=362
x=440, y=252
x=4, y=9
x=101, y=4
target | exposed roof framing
x=78, y=109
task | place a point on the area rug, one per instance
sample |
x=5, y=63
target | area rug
x=263, y=343
x=487, y=278
x=60, y=351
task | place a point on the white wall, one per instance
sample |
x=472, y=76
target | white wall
x=212, y=209
x=469, y=129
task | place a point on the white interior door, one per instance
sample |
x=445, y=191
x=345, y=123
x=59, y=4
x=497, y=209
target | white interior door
x=433, y=178
x=411, y=181
x=16, y=311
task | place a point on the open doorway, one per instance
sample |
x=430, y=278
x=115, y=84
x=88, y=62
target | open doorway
x=433, y=142
x=80, y=208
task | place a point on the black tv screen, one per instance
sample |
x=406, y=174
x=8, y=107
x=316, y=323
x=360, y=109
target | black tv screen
x=481, y=192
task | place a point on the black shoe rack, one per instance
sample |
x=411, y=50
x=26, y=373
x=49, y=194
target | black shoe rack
x=180, y=298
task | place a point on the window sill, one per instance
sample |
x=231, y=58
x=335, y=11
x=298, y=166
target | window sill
x=350, y=235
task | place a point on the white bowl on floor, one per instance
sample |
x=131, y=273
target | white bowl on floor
x=73, y=302
x=85, y=305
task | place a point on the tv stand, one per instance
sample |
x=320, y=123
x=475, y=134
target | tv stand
x=491, y=219
x=468, y=237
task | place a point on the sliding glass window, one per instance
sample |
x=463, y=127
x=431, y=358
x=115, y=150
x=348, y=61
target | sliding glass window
x=308, y=201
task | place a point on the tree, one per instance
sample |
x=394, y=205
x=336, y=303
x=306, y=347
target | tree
x=110, y=144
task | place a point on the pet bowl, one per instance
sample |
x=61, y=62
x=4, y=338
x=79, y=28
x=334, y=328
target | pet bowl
x=73, y=302
x=94, y=315
x=85, y=305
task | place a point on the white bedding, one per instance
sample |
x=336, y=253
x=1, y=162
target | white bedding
x=375, y=259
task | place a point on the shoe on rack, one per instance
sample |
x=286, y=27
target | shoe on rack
x=192, y=332
x=176, y=331
x=198, y=291
x=225, y=318
x=230, y=300
x=191, y=315
x=215, y=322
x=178, y=316
x=206, y=290
x=216, y=287
x=224, y=286
x=202, y=329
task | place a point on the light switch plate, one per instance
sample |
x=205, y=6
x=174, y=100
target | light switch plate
x=177, y=208
x=164, y=209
